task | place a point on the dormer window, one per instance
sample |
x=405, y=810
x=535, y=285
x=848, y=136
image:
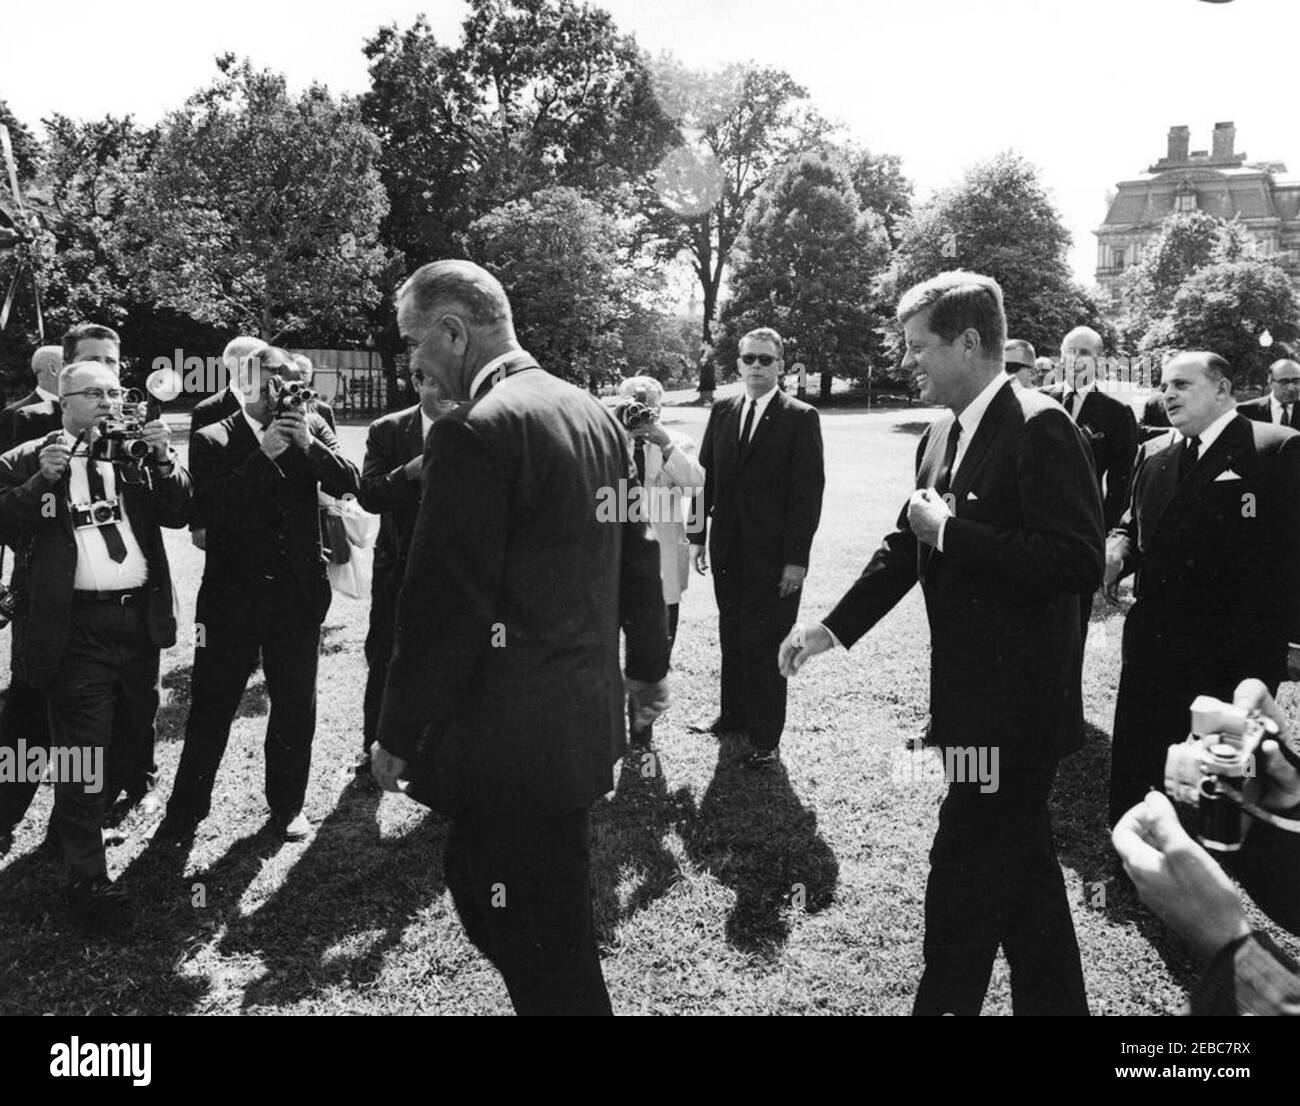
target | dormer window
x=1186, y=198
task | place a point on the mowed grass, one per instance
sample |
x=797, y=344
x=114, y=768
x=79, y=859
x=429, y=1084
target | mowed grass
x=716, y=890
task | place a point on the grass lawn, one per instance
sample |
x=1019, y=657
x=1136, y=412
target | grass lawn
x=717, y=891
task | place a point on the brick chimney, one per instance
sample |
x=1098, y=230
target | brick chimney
x=1225, y=135
x=1178, y=139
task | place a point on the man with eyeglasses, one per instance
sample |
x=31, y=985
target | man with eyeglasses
x=265, y=592
x=1281, y=406
x=94, y=605
x=764, y=477
x=391, y=481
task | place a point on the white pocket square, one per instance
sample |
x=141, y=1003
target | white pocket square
x=1226, y=474
x=971, y=497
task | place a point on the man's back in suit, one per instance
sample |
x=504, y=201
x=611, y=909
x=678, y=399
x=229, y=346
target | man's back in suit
x=1110, y=429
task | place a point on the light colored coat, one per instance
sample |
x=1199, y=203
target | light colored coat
x=669, y=511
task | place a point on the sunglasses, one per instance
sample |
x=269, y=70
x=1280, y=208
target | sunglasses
x=763, y=359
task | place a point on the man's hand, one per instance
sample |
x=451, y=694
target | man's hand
x=1177, y=878
x=54, y=459
x=654, y=433
x=275, y=440
x=414, y=468
x=1278, y=779
x=800, y=644
x=792, y=577
x=649, y=700
x=1117, y=551
x=700, y=559
x=385, y=767
x=926, y=512
x=157, y=435
x=294, y=426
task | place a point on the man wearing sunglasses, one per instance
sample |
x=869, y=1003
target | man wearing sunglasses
x=1282, y=404
x=94, y=604
x=391, y=482
x=764, y=476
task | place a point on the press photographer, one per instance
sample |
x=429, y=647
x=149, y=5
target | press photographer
x=265, y=591
x=93, y=594
x=664, y=461
x=1246, y=752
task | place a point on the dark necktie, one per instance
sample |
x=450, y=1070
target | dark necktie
x=638, y=455
x=944, y=478
x=1188, y=458
x=112, y=535
x=1291, y=416
x=745, y=430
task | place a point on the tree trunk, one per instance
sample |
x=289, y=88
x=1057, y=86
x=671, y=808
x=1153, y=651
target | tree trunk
x=825, y=392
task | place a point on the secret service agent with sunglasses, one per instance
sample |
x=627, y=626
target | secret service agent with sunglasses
x=94, y=603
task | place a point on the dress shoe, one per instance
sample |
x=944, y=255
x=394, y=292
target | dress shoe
x=762, y=760
x=641, y=739
x=96, y=898
x=175, y=829
x=719, y=726
x=362, y=767
x=296, y=828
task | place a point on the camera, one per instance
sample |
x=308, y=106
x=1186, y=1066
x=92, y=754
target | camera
x=1209, y=770
x=121, y=435
x=633, y=414
x=292, y=395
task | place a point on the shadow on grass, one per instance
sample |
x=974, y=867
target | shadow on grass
x=756, y=837
x=1081, y=826
x=627, y=841
x=343, y=906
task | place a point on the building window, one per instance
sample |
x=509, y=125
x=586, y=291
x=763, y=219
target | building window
x=1118, y=256
x=1187, y=201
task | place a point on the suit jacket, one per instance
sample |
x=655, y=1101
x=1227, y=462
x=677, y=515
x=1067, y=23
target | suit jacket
x=1110, y=429
x=20, y=424
x=213, y=409
x=262, y=517
x=1220, y=553
x=1025, y=541
x=326, y=412
x=45, y=555
x=762, y=510
x=1260, y=410
x=393, y=441
x=1155, y=419
x=505, y=684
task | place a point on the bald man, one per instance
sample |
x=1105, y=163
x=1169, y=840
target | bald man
x=1281, y=406
x=46, y=363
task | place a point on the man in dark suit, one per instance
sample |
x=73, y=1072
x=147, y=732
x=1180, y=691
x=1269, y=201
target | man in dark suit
x=390, y=487
x=1004, y=532
x=1213, y=533
x=1108, y=425
x=1282, y=404
x=264, y=592
x=1155, y=420
x=763, y=483
x=505, y=701
x=47, y=362
x=93, y=606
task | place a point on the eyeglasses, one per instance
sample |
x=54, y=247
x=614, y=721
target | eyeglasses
x=1287, y=380
x=97, y=394
x=763, y=359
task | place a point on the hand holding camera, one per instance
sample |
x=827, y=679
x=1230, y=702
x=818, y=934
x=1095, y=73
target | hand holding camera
x=157, y=435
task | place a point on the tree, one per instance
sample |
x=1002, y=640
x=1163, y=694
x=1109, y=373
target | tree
x=805, y=265
x=881, y=187
x=260, y=211
x=1226, y=307
x=743, y=122
x=26, y=147
x=1186, y=243
x=999, y=221
x=570, y=283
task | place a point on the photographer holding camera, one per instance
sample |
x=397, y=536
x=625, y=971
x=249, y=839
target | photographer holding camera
x=1247, y=973
x=664, y=461
x=93, y=600
x=257, y=474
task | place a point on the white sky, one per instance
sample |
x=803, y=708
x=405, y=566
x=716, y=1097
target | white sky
x=1087, y=89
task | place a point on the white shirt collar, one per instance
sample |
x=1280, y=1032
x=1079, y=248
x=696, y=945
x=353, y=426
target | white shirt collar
x=492, y=366
x=974, y=411
x=760, y=404
x=1275, y=408
x=1211, y=432
x=426, y=424
x=49, y=397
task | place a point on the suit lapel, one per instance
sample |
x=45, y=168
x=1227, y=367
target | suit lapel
x=1228, y=448
x=415, y=433
x=758, y=433
x=979, y=446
